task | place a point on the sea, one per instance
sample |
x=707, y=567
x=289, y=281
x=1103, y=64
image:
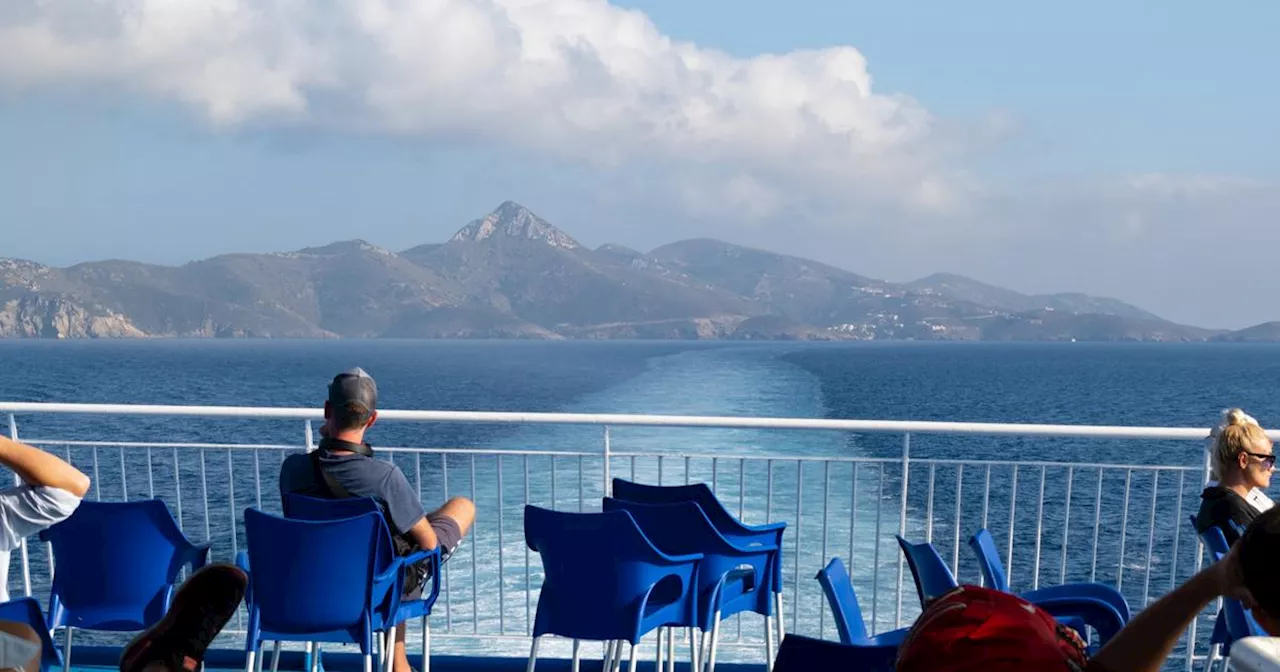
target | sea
x=839, y=492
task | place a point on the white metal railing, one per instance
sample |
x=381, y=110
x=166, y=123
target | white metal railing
x=1123, y=524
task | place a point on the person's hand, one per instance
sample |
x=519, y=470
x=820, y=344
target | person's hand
x=1229, y=578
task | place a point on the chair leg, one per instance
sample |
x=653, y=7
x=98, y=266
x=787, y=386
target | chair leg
x=1213, y=656
x=66, y=649
x=261, y=657
x=768, y=644
x=606, y=656
x=715, y=641
x=368, y=662
x=275, y=657
x=671, y=650
x=389, y=650
x=250, y=660
x=533, y=655
x=634, y=648
x=781, y=631
x=426, y=643
x=617, y=656
x=315, y=657
x=695, y=650
x=577, y=655
x=657, y=654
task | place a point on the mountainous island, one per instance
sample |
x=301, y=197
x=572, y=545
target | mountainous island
x=511, y=274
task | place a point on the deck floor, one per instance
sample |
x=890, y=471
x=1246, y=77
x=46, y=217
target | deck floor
x=95, y=658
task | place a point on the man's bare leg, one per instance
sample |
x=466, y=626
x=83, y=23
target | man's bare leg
x=463, y=512
x=24, y=631
x=40, y=469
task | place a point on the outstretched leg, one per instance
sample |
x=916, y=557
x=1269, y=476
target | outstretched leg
x=200, y=608
x=450, y=522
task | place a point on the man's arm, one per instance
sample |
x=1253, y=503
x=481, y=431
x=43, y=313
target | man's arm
x=423, y=533
x=40, y=469
x=1143, y=645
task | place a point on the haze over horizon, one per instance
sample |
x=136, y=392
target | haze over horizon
x=1079, y=149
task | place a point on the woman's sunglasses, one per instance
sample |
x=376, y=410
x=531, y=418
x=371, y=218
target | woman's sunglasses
x=1268, y=459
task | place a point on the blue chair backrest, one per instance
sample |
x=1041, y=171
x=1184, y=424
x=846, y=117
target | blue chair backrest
x=698, y=493
x=681, y=528
x=306, y=507
x=932, y=576
x=1240, y=622
x=989, y=560
x=311, y=576
x=116, y=562
x=597, y=568
x=26, y=610
x=843, y=600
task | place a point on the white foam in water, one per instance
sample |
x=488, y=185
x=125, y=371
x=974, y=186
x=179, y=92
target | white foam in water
x=717, y=382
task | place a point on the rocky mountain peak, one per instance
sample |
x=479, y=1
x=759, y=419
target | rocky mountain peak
x=513, y=220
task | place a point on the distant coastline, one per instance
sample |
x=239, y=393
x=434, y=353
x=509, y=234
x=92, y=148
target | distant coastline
x=512, y=275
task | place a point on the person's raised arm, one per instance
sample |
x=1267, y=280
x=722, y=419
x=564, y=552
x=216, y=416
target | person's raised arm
x=37, y=468
x=1144, y=644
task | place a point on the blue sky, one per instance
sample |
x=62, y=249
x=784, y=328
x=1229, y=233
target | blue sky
x=1093, y=147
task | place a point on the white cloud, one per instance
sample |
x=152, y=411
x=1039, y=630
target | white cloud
x=580, y=78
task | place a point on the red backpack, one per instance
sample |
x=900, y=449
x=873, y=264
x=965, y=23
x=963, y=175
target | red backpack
x=972, y=629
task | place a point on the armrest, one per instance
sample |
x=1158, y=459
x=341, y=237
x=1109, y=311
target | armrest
x=198, y=555
x=1102, y=616
x=420, y=555
x=1095, y=591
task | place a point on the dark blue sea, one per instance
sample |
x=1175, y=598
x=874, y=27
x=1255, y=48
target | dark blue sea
x=1068, y=383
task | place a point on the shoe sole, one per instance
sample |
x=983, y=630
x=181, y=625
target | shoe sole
x=214, y=590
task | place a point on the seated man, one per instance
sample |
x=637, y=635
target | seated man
x=50, y=491
x=343, y=466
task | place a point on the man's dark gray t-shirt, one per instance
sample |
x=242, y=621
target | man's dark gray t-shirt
x=362, y=477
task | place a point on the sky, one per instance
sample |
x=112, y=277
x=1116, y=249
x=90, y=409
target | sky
x=1095, y=147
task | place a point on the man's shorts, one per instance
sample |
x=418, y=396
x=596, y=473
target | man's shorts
x=448, y=537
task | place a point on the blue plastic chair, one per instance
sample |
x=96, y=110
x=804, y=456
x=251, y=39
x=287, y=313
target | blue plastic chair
x=1233, y=621
x=993, y=572
x=604, y=580
x=933, y=579
x=733, y=529
x=806, y=654
x=306, y=507
x=725, y=586
x=27, y=610
x=881, y=649
x=116, y=565
x=315, y=581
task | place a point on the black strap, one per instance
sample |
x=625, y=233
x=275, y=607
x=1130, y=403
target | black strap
x=326, y=480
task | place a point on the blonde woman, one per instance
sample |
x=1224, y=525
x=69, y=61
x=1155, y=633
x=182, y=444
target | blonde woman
x=1241, y=460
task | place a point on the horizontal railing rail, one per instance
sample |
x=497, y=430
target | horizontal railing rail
x=1054, y=521
x=883, y=426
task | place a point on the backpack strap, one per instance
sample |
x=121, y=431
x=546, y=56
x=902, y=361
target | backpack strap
x=325, y=480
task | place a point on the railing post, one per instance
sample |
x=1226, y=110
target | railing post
x=902, y=519
x=26, y=558
x=607, y=490
x=309, y=436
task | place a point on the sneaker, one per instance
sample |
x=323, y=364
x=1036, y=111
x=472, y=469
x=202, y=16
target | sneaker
x=200, y=608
